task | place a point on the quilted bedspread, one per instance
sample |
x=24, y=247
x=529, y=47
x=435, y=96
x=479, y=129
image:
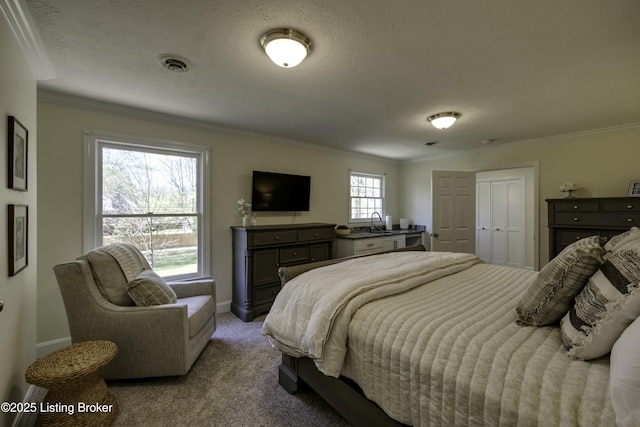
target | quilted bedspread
x=447, y=352
x=310, y=316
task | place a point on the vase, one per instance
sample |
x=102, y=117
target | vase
x=570, y=195
x=246, y=221
x=254, y=220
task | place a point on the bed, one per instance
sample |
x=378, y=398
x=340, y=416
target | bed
x=440, y=339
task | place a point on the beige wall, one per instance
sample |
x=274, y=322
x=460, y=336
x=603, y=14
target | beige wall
x=18, y=319
x=234, y=157
x=600, y=163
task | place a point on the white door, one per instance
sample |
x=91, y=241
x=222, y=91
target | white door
x=453, y=207
x=500, y=221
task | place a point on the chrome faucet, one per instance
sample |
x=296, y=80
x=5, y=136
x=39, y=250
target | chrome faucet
x=372, y=215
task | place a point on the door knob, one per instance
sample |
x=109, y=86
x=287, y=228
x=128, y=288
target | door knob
x=435, y=234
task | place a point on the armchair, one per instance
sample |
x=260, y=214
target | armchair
x=153, y=341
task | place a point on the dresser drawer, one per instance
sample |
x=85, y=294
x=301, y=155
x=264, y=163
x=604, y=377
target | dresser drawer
x=621, y=206
x=274, y=237
x=609, y=219
x=265, y=295
x=567, y=237
x=294, y=254
x=576, y=206
x=311, y=234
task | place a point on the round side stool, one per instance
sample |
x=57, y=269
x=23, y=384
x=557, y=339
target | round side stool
x=77, y=394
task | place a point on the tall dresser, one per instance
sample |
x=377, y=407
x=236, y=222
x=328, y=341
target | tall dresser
x=259, y=251
x=574, y=219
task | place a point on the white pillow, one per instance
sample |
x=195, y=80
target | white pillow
x=624, y=377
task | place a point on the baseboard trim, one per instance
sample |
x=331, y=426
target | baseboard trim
x=47, y=347
x=32, y=396
x=223, y=307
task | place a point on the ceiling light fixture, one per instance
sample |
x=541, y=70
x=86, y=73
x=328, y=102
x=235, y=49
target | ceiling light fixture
x=286, y=47
x=443, y=120
x=174, y=63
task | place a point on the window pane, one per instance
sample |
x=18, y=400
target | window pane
x=135, y=182
x=170, y=244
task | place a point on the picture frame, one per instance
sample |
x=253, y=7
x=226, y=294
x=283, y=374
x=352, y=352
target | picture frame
x=634, y=188
x=18, y=233
x=18, y=142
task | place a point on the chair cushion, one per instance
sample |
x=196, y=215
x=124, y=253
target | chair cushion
x=148, y=288
x=109, y=278
x=200, y=309
x=551, y=294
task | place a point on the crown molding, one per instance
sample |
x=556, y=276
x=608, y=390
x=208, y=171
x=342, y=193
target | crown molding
x=17, y=16
x=536, y=141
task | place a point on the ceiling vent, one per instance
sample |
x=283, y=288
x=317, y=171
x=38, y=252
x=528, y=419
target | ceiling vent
x=175, y=63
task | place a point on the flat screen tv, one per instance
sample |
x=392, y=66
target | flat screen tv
x=278, y=192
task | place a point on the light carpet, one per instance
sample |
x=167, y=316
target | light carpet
x=234, y=382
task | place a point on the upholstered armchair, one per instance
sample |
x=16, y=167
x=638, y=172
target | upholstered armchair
x=164, y=339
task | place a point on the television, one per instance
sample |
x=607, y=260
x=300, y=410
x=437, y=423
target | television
x=279, y=192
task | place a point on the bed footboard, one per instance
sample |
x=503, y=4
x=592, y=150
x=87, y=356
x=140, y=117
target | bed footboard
x=342, y=394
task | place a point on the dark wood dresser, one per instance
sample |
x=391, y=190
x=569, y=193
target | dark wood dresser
x=574, y=219
x=259, y=251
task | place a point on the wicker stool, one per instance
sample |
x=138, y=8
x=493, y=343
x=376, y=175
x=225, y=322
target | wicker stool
x=77, y=395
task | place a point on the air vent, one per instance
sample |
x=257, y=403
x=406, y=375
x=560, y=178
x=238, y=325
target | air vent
x=175, y=63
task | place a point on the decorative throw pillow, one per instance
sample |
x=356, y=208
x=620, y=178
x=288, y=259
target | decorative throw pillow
x=150, y=289
x=623, y=238
x=624, y=378
x=551, y=294
x=604, y=308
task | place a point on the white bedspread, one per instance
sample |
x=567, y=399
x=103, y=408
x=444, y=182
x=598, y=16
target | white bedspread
x=311, y=314
x=440, y=349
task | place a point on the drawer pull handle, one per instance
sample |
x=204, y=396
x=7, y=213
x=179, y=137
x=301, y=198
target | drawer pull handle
x=277, y=237
x=370, y=244
x=629, y=219
x=629, y=206
x=576, y=218
x=295, y=254
x=315, y=235
x=578, y=237
x=576, y=207
x=275, y=292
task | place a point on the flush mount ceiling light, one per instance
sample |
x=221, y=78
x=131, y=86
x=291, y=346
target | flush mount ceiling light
x=285, y=46
x=443, y=120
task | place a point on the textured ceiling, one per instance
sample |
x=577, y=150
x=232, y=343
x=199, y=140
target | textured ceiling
x=514, y=70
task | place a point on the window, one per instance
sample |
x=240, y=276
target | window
x=366, y=196
x=151, y=194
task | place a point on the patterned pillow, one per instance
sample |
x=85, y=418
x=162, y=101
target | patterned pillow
x=551, y=294
x=604, y=308
x=623, y=238
x=150, y=289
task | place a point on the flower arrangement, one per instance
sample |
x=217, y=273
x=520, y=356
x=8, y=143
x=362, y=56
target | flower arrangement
x=568, y=187
x=243, y=207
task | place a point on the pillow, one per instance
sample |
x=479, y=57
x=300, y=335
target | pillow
x=109, y=278
x=150, y=289
x=623, y=238
x=624, y=377
x=604, y=308
x=551, y=294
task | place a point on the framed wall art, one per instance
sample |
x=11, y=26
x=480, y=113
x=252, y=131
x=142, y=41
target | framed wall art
x=18, y=233
x=634, y=189
x=18, y=141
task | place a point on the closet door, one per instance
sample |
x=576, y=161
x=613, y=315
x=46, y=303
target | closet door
x=498, y=223
x=500, y=219
x=483, y=221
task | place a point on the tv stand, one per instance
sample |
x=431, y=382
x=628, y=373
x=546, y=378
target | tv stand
x=259, y=251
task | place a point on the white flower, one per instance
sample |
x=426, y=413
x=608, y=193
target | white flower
x=243, y=207
x=568, y=186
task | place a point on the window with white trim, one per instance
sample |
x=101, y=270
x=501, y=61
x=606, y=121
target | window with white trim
x=152, y=194
x=366, y=196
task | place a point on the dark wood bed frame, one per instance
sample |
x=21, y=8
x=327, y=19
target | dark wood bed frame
x=341, y=393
